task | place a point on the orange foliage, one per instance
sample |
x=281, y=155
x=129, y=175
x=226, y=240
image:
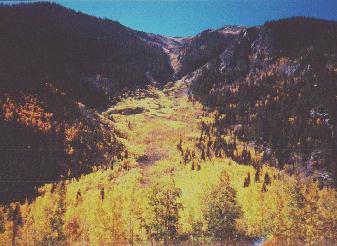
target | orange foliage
x=8, y=109
x=71, y=132
x=29, y=113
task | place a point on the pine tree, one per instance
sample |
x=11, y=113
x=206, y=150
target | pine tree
x=102, y=193
x=249, y=157
x=257, y=173
x=180, y=145
x=78, y=196
x=267, y=179
x=17, y=221
x=247, y=181
x=203, y=155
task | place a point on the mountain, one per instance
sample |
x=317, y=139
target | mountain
x=114, y=136
x=47, y=42
x=60, y=69
x=278, y=83
x=281, y=75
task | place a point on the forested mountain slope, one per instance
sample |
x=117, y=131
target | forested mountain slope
x=175, y=186
x=46, y=136
x=57, y=69
x=277, y=84
x=45, y=41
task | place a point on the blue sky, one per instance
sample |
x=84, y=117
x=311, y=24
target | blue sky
x=189, y=17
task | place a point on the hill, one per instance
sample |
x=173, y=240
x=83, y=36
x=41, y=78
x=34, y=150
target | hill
x=278, y=84
x=58, y=69
x=45, y=41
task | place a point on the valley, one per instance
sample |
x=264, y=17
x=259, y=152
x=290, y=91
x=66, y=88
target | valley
x=113, y=136
x=160, y=193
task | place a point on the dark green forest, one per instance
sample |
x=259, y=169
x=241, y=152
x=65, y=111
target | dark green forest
x=279, y=86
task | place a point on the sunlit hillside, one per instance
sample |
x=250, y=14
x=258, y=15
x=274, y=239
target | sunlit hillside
x=167, y=190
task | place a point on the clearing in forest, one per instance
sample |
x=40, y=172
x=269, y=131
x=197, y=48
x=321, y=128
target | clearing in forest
x=153, y=121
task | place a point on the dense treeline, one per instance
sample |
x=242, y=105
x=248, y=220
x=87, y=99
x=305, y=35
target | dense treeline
x=194, y=193
x=278, y=88
x=50, y=137
x=207, y=206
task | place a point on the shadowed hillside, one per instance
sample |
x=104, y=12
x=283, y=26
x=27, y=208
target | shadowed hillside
x=57, y=68
x=278, y=84
x=45, y=41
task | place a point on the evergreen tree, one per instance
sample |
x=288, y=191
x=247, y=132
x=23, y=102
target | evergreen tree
x=257, y=173
x=78, y=196
x=267, y=179
x=247, y=181
x=17, y=221
x=102, y=193
x=203, y=155
x=264, y=188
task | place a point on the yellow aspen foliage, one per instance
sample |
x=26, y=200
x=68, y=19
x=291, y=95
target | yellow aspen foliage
x=222, y=210
x=327, y=210
x=151, y=197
